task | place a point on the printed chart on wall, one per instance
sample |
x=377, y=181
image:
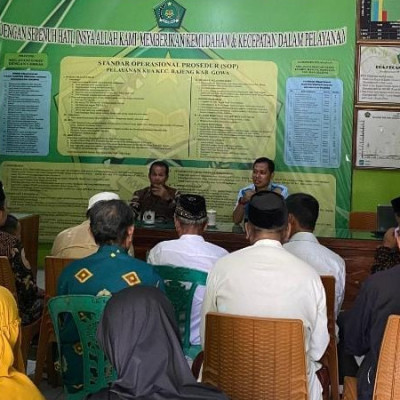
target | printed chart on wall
x=378, y=139
x=93, y=91
x=380, y=19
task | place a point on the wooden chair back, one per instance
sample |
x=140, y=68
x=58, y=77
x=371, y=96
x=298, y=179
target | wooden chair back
x=387, y=380
x=53, y=266
x=362, y=220
x=252, y=358
x=7, y=278
x=350, y=388
x=330, y=358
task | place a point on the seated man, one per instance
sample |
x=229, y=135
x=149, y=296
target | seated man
x=303, y=214
x=265, y=280
x=190, y=250
x=363, y=326
x=107, y=271
x=77, y=241
x=157, y=197
x=388, y=254
x=263, y=172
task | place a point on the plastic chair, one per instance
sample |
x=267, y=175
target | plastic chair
x=53, y=267
x=181, y=284
x=252, y=358
x=86, y=311
x=330, y=358
x=28, y=332
x=387, y=379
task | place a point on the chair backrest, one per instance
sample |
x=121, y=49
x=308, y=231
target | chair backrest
x=180, y=285
x=53, y=266
x=362, y=220
x=330, y=358
x=387, y=381
x=252, y=358
x=86, y=312
x=7, y=278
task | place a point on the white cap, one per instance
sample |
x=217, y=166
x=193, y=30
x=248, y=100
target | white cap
x=103, y=196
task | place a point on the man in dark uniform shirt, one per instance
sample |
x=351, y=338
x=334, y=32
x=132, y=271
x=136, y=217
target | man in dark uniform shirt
x=363, y=326
x=157, y=197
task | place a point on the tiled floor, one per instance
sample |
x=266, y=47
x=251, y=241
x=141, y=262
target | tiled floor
x=49, y=392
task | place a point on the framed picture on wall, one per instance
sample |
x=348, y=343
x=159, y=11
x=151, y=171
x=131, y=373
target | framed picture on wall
x=378, y=74
x=377, y=139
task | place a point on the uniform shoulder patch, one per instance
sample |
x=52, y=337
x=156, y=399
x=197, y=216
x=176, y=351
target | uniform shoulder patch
x=131, y=278
x=83, y=275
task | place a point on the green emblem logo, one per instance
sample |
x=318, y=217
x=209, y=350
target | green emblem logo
x=169, y=14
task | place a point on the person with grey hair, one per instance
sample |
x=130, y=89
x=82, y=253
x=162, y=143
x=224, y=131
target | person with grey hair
x=77, y=241
x=105, y=272
x=190, y=250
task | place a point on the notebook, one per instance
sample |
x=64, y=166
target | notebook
x=385, y=218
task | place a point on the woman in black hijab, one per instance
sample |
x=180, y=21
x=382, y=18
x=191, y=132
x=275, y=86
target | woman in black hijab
x=140, y=336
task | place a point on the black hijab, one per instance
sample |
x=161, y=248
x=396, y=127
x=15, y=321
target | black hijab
x=140, y=336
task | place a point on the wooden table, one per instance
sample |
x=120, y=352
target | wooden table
x=29, y=237
x=357, y=248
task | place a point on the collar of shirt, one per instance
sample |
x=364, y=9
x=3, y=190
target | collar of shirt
x=268, y=243
x=303, y=237
x=112, y=250
x=194, y=238
x=269, y=187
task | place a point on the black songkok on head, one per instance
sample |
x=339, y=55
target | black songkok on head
x=267, y=210
x=191, y=206
x=2, y=195
x=396, y=205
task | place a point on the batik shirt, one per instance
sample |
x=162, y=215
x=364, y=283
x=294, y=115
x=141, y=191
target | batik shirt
x=30, y=301
x=107, y=271
x=144, y=200
x=385, y=258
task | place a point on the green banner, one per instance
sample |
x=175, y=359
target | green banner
x=92, y=91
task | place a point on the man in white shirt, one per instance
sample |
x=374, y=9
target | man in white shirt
x=190, y=250
x=303, y=214
x=265, y=280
